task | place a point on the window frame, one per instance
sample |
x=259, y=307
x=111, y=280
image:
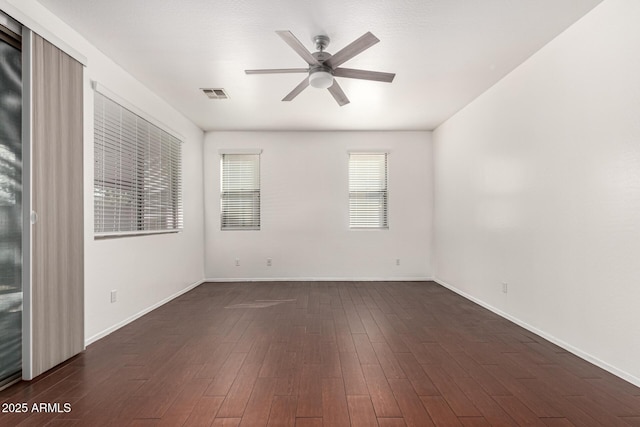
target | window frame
x=381, y=194
x=254, y=194
x=150, y=155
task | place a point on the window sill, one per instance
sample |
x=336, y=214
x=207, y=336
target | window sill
x=368, y=228
x=118, y=235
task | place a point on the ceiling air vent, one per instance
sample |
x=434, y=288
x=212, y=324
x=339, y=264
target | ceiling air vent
x=215, y=93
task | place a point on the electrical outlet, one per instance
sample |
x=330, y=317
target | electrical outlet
x=269, y=262
x=504, y=287
x=397, y=261
x=114, y=296
x=237, y=262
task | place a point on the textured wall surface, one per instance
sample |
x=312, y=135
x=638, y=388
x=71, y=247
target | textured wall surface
x=537, y=184
x=144, y=270
x=305, y=208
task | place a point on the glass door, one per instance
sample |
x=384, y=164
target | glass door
x=10, y=205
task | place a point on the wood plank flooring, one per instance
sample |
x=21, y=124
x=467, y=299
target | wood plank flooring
x=324, y=354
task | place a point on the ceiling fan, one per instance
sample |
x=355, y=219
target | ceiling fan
x=323, y=66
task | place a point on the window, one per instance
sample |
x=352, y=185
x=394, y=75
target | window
x=138, y=173
x=368, y=190
x=240, y=192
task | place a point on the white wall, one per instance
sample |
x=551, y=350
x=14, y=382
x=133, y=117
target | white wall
x=305, y=202
x=144, y=270
x=537, y=184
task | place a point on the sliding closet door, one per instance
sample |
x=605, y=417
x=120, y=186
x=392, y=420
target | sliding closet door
x=57, y=288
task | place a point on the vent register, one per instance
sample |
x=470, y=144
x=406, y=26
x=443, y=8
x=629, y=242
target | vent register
x=217, y=93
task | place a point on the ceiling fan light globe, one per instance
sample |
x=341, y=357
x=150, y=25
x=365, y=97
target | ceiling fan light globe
x=321, y=79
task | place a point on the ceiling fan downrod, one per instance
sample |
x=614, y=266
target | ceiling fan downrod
x=321, y=42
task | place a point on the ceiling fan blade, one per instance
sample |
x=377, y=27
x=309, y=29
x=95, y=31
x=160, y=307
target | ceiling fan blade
x=295, y=44
x=277, y=71
x=364, y=74
x=351, y=50
x=338, y=94
x=296, y=91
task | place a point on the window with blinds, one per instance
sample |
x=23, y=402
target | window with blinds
x=137, y=175
x=368, y=194
x=240, y=192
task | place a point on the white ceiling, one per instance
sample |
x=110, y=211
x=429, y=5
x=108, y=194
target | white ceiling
x=444, y=53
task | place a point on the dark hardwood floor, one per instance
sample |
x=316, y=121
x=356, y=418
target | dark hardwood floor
x=324, y=353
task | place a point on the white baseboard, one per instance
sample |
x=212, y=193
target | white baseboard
x=319, y=279
x=130, y=319
x=583, y=355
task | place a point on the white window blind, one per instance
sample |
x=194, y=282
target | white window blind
x=240, y=195
x=368, y=190
x=137, y=175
